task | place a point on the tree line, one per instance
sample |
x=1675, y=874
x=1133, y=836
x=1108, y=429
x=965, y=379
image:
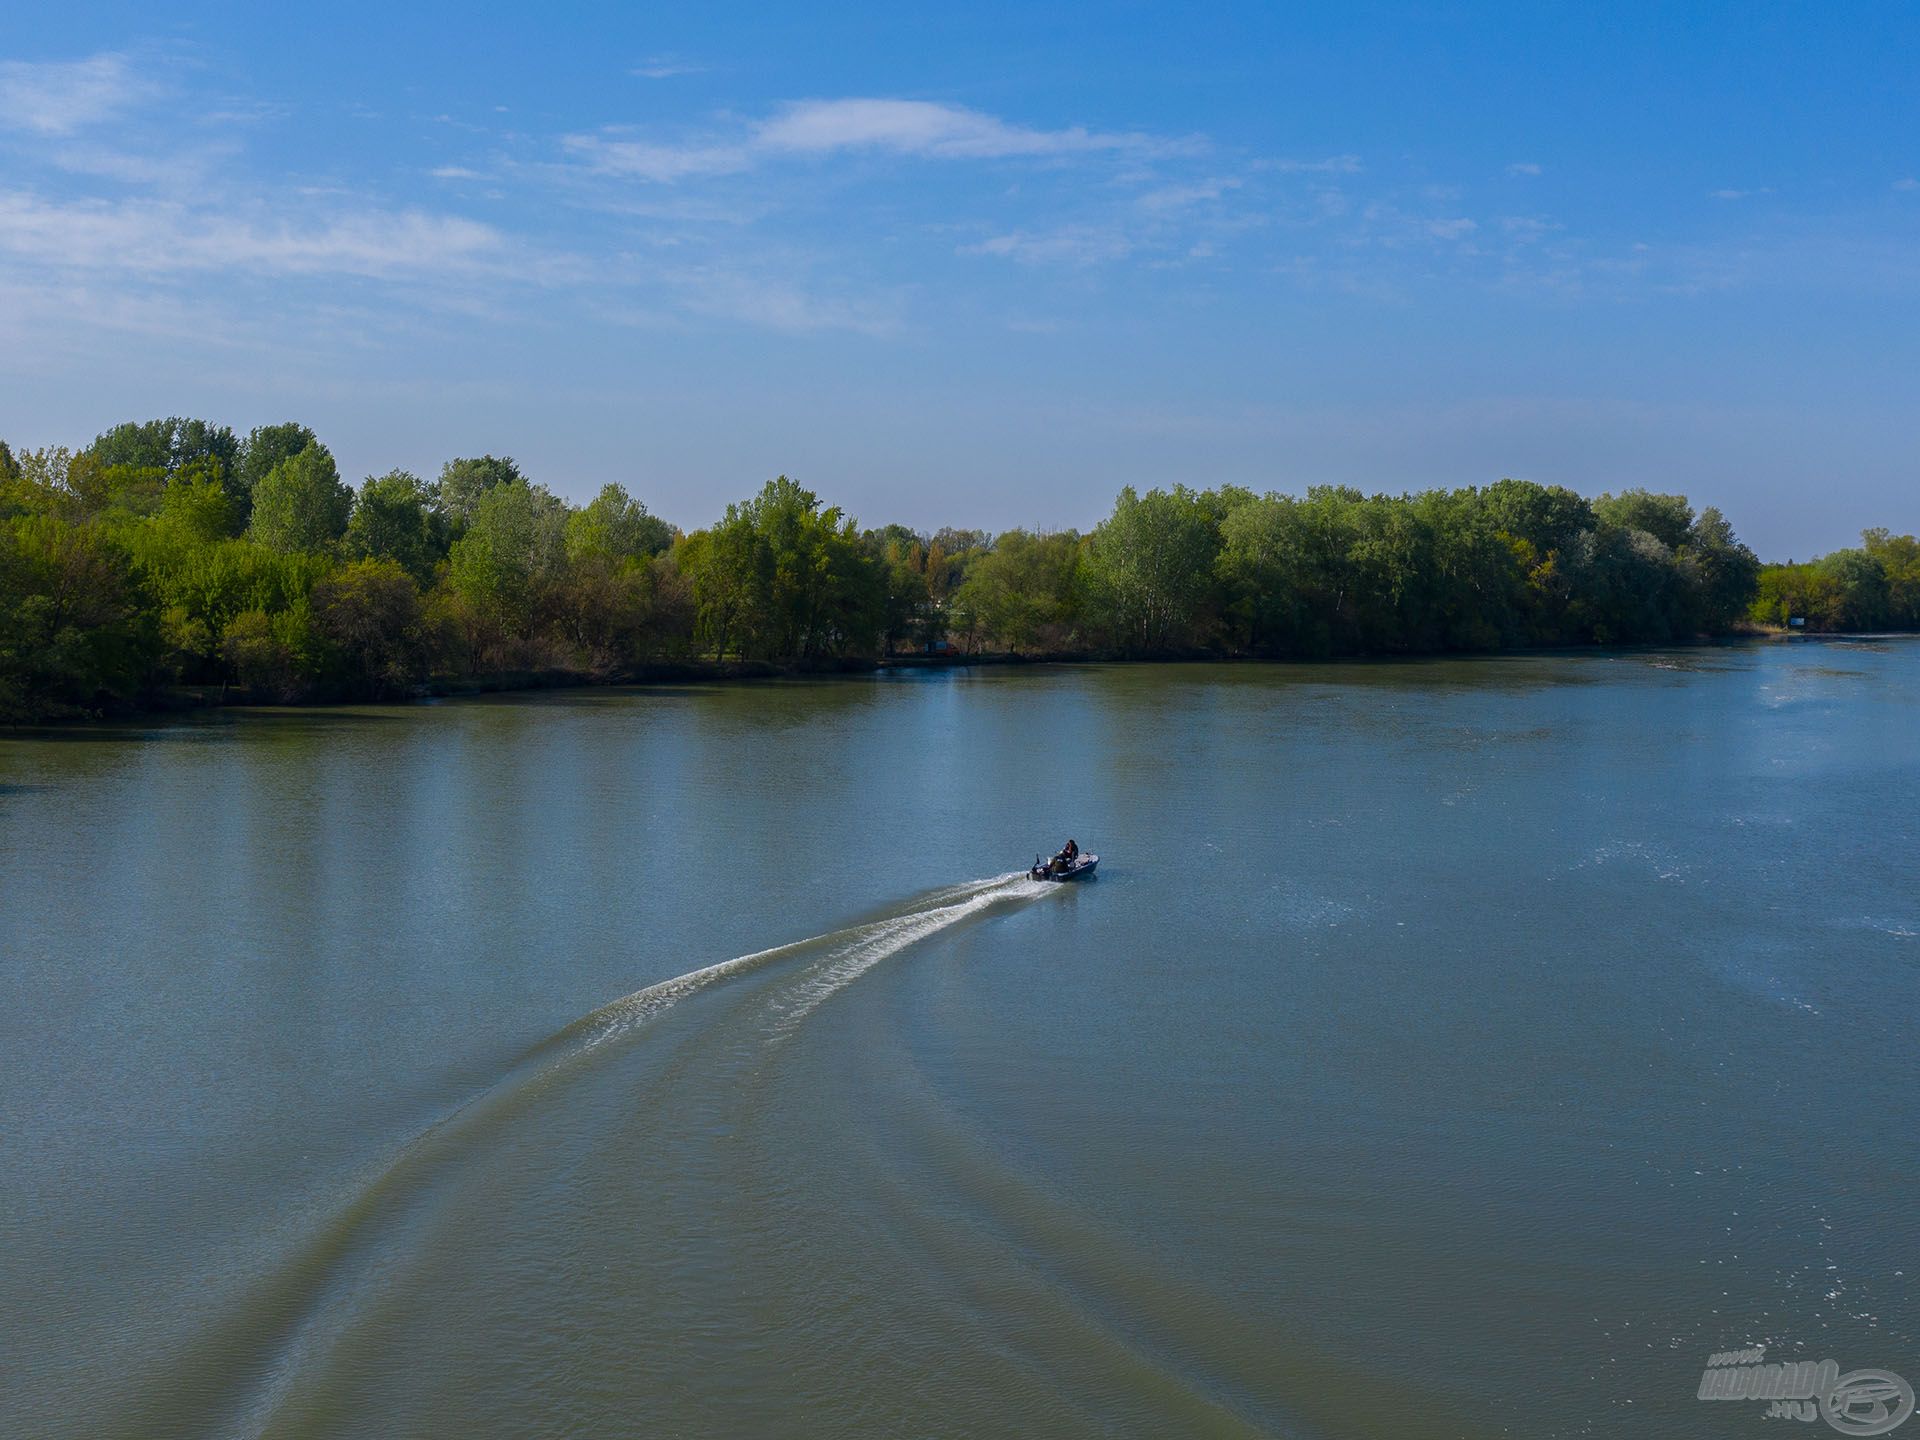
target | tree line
x=1875, y=586
x=178, y=553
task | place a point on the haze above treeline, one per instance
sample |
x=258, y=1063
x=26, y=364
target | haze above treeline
x=175, y=553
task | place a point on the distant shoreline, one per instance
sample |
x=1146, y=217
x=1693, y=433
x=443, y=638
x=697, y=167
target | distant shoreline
x=182, y=700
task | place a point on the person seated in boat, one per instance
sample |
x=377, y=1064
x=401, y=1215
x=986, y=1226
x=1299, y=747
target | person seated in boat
x=1072, y=852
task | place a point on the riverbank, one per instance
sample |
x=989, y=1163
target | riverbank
x=183, y=699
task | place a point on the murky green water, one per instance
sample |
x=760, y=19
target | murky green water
x=1460, y=1048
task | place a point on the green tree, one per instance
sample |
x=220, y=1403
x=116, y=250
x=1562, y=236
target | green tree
x=169, y=445
x=1021, y=594
x=76, y=633
x=514, y=548
x=301, y=504
x=616, y=526
x=1476, y=593
x=1266, y=574
x=1151, y=561
x=266, y=447
x=1899, y=559
x=1872, y=587
x=394, y=518
x=200, y=507
x=949, y=553
x=147, y=445
x=605, y=607
x=901, y=556
x=55, y=481
x=198, y=588
x=1859, y=590
x=1543, y=526
x=1547, y=517
x=1627, y=589
x=275, y=653
x=782, y=578
x=464, y=482
x=1392, y=566
x=1668, y=518
x=1725, y=573
x=368, y=611
x=1789, y=592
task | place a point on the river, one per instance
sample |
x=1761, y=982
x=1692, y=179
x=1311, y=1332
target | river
x=1445, y=1048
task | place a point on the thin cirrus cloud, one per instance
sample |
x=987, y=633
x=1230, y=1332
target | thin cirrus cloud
x=610, y=153
x=922, y=128
x=1168, y=198
x=101, y=117
x=1068, y=245
x=1330, y=165
x=157, y=237
x=666, y=67
x=1152, y=198
x=60, y=98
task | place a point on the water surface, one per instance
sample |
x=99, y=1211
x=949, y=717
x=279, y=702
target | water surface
x=1446, y=1048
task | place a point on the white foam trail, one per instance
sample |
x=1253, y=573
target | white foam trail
x=855, y=950
x=859, y=948
x=890, y=937
x=615, y=1019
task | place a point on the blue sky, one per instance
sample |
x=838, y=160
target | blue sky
x=982, y=265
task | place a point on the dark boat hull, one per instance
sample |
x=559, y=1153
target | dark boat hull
x=1081, y=870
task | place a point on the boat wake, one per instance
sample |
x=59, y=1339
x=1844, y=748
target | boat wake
x=888, y=938
x=323, y=1284
x=847, y=954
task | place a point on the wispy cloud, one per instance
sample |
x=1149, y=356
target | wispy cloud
x=161, y=167
x=1067, y=244
x=1331, y=165
x=1391, y=224
x=1732, y=194
x=156, y=237
x=62, y=97
x=1525, y=229
x=109, y=118
x=666, y=67
x=923, y=127
x=920, y=128
x=1907, y=183
x=611, y=153
x=1524, y=170
x=1168, y=198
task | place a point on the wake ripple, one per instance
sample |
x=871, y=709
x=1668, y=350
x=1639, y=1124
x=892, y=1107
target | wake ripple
x=853, y=951
x=306, y=1330
x=888, y=937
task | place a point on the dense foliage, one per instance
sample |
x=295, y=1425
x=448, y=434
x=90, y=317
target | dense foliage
x=1876, y=587
x=177, y=553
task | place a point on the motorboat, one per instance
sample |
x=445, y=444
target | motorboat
x=1079, y=868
